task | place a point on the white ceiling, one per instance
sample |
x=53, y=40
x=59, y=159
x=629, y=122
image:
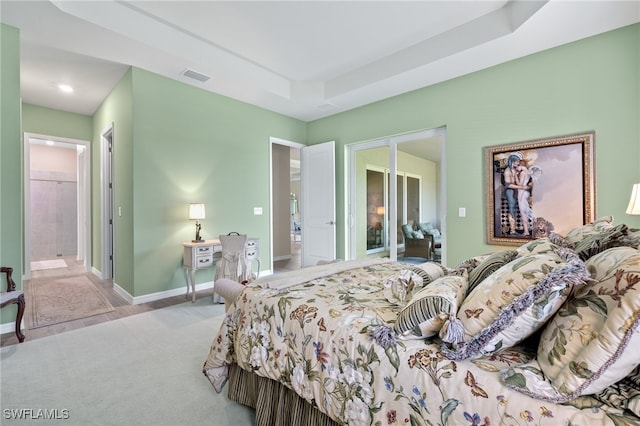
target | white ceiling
x=306, y=59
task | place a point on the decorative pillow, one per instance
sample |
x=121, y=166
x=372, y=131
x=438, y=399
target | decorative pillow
x=516, y=300
x=632, y=239
x=424, y=227
x=470, y=263
x=624, y=394
x=400, y=286
x=540, y=245
x=489, y=265
x=430, y=307
x=593, y=340
x=418, y=235
x=435, y=233
x=597, y=226
x=429, y=271
x=596, y=243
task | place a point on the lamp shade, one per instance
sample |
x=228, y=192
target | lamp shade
x=634, y=202
x=196, y=211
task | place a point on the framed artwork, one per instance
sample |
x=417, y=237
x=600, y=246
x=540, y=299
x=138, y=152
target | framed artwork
x=539, y=186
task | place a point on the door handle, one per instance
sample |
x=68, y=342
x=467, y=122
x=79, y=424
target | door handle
x=331, y=223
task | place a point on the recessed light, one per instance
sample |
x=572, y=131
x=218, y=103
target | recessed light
x=65, y=88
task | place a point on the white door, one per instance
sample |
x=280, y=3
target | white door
x=318, y=203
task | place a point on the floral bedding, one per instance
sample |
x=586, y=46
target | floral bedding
x=329, y=337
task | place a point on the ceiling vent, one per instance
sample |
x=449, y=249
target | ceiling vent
x=195, y=75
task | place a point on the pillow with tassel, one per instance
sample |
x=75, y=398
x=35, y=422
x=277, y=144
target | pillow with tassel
x=432, y=309
x=515, y=301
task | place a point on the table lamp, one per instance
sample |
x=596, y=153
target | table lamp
x=196, y=212
x=634, y=202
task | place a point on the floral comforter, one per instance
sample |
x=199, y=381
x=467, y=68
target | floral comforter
x=326, y=336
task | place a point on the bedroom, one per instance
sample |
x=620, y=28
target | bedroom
x=198, y=131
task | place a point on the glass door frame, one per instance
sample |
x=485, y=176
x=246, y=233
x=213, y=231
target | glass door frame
x=392, y=142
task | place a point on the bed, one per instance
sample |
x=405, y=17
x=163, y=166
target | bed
x=498, y=339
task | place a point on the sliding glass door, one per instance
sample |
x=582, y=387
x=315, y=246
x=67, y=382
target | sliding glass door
x=377, y=208
x=378, y=217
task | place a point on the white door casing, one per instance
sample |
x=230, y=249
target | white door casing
x=318, y=203
x=83, y=194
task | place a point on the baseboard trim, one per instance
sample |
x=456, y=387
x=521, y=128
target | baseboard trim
x=285, y=257
x=167, y=293
x=10, y=327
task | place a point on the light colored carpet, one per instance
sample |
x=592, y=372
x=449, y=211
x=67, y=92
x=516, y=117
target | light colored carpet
x=145, y=369
x=39, y=265
x=62, y=300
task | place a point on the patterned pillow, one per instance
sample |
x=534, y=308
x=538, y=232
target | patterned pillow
x=596, y=243
x=540, y=245
x=470, y=263
x=632, y=239
x=400, y=286
x=430, y=307
x=489, y=265
x=516, y=300
x=597, y=226
x=582, y=348
x=624, y=394
x=418, y=235
x=429, y=271
x=591, y=343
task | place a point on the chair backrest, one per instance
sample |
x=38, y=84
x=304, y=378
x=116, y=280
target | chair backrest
x=11, y=285
x=407, y=231
x=233, y=242
x=232, y=264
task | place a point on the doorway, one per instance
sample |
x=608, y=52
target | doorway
x=286, y=213
x=57, y=223
x=414, y=162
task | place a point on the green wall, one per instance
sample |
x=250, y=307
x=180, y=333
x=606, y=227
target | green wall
x=117, y=112
x=176, y=144
x=183, y=145
x=52, y=122
x=592, y=84
x=10, y=161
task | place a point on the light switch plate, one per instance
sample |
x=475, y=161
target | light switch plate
x=462, y=212
x=257, y=211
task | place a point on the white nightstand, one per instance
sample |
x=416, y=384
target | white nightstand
x=198, y=256
x=204, y=255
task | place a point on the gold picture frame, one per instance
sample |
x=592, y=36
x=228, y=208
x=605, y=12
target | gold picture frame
x=539, y=186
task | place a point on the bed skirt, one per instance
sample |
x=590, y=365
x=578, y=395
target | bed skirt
x=275, y=404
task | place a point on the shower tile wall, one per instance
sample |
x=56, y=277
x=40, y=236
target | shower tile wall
x=53, y=214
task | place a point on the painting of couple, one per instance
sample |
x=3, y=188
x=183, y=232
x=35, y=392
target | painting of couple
x=537, y=187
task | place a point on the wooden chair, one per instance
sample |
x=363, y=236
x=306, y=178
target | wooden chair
x=13, y=296
x=416, y=247
x=232, y=264
x=436, y=238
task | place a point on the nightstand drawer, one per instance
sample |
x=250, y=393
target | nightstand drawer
x=204, y=250
x=204, y=261
x=251, y=254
